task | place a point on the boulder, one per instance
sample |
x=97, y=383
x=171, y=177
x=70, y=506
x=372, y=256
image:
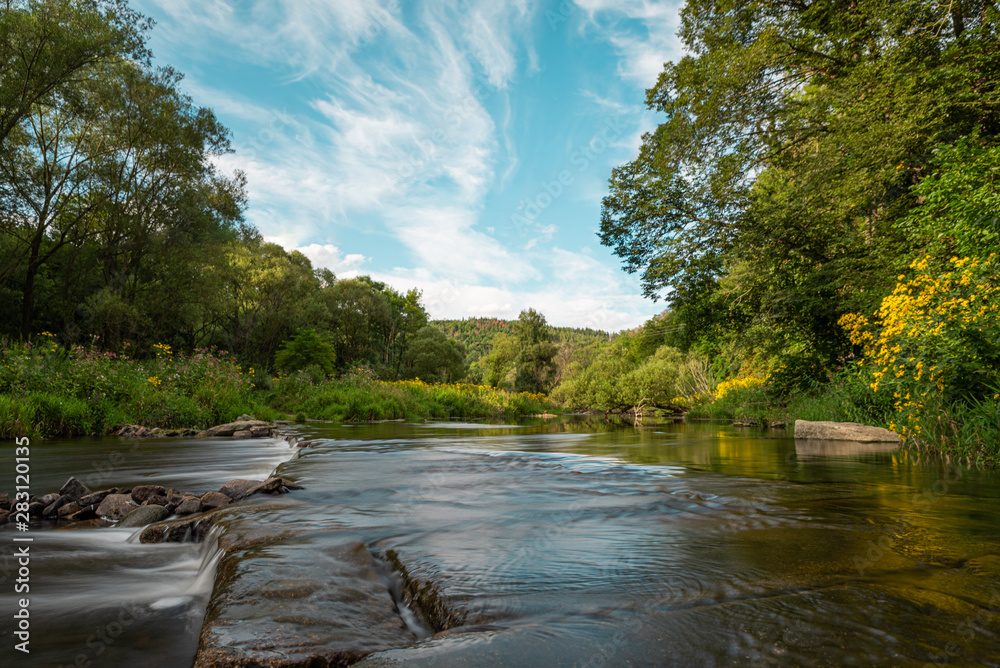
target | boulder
x=74, y=489
x=85, y=513
x=70, y=508
x=144, y=515
x=241, y=489
x=261, y=432
x=232, y=427
x=156, y=500
x=47, y=499
x=843, y=431
x=143, y=492
x=188, y=506
x=175, y=497
x=116, y=506
x=212, y=500
x=35, y=508
x=134, y=431
x=244, y=433
x=203, y=434
x=95, y=498
x=53, y=508
x=4, y=501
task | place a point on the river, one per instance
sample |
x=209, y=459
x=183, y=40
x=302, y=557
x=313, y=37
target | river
x=573, y=542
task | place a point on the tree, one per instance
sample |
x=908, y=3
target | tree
x=307, y=348
x=793, y=135
x=47, y=45
x=434, y=357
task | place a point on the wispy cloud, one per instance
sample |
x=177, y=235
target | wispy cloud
x=363, y=116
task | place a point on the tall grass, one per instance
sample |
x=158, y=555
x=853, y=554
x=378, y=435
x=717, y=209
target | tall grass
x=46, y=390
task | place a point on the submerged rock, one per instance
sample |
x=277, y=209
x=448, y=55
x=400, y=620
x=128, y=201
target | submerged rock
x=844, y=431
x=144, y=515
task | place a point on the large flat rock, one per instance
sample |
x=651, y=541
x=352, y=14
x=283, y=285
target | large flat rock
x=283, y=603
x=844, y=431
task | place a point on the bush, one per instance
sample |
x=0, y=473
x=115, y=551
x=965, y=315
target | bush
x=935, y=341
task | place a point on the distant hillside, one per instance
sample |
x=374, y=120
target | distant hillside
x=477, y=334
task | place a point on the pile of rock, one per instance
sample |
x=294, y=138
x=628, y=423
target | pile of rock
x=141, y=505
x=245, y=427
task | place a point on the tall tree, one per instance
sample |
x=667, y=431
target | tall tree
x=793, y=134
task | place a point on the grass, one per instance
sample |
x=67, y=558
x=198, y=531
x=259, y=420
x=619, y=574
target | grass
x=46, y=390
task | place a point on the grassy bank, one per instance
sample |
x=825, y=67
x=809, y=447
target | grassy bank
x=50, y=391
x=966, y=430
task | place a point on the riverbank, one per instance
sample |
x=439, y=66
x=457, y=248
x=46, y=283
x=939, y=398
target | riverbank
x=49, y=391
x=967, y=431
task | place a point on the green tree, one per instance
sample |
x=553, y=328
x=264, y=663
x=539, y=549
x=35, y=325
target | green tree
x=793, y=135
x=434, y=357
x=307, y=348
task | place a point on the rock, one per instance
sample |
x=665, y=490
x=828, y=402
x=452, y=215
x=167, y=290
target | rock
x=144, y=515
x=35, y=508
x=143, y=492
x=212, y=500
x=74, y=489
x=244, y=433
x=70, y=508
x=777, y=424
x=95, y=498
x=175, y=497
x=239, y=488
x=116, y=506
x=260, y=432
x=87, y=513
x=134, y=431
x=47, y=499
x=156, y=500
x=186, y=530
x=53, y=508
x=4, y=502
x=189, y=506
x=233, y=427
x=844, y=431
x=246, y=418
x=203, y=434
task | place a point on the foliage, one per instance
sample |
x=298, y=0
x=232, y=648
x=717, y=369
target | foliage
x=434, y=357
x=768, y=202
x=934, y=341
x=620, y=379
x=306, y=348
x=60, y=391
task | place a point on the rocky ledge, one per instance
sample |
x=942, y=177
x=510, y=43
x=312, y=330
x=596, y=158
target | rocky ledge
x=246, y=426
x=140, y=505
x=844, y=431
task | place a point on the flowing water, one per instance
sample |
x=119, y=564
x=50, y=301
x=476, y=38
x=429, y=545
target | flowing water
x=568, y=543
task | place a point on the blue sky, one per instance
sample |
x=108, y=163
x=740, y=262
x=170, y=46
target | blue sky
x=462, y=148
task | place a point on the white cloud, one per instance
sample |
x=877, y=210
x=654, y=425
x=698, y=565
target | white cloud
x=643, y=51
x=328, y=256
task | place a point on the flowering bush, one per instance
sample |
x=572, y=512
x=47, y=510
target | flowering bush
x=935, y=340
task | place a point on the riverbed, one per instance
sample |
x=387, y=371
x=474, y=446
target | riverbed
x=571, y=542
